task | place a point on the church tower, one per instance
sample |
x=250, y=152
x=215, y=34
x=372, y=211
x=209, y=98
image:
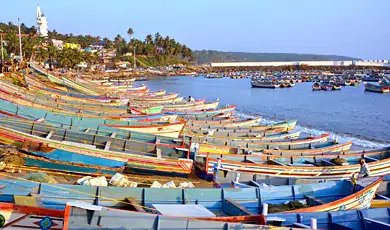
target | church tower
x=42, y=23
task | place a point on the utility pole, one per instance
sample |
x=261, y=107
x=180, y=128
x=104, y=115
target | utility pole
x=135, y=65
x=20, y=43
x=2, y=53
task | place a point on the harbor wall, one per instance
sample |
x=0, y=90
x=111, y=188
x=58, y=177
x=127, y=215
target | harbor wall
x=308, y=63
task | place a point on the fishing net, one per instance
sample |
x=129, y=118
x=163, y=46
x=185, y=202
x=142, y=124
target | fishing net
x=11, y=157
x=338, y=161
x=292, y=205
x=41, y=177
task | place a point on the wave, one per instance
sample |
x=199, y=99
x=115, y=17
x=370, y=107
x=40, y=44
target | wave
x=342, y=137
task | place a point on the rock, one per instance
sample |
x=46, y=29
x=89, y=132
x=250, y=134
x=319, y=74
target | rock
x=98, y=181
x=156, y=185
x=170, y=184
x=120, y=180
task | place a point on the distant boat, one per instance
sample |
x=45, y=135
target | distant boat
x=376, y=88
x=316, y=86
x=326, y=87
x=264, y=84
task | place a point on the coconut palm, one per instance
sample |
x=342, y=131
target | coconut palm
x=130, y=32
x=12, y=41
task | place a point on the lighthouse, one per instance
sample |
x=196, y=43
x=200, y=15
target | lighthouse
x=42, y=23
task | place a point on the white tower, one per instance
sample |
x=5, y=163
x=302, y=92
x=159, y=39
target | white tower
x=42, y=23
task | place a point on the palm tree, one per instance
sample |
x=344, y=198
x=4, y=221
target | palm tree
x=41, y=55
x=130, y=32
x=12, y=41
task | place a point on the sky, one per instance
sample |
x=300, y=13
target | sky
x=356, y=28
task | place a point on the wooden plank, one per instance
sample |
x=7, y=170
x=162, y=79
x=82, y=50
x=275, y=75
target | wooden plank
x=299, y=225
x=49, y=135
x=242, y=209
x=376, y=224
x=158, y=153
x=371, y=159
x=133, y=203
x=108, y=145
x=40, y=119
x=113, y=135
x=275, y=162
x=328, y=163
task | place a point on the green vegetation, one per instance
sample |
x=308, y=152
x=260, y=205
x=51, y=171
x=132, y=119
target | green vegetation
x=207, y=56
x=152, y=51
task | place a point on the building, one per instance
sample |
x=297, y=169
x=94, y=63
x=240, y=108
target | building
x=42, y=23
x=97, y=45
x=72, y=45
x=59, y=44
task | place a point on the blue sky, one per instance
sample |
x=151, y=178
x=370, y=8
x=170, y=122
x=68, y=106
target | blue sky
x=358, y=28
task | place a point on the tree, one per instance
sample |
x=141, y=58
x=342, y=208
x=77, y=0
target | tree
x=130, y=32
x=12, y=41
x=41, y=55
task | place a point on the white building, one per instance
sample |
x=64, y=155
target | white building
x=42, y=23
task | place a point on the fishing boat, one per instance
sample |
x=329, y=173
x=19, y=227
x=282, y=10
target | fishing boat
x=267, y=136
x=319, y=166
x=335, y=86
x=326, y=87
x=203, y=113
x=264, y=84
x=283, y=126
x=316, y=86
x=228, y=123
x=72, y=146
x=347, y=220
x=375, y=88
x=161, y=128
x=238, y=146
x=77, y=215
x=318, y=197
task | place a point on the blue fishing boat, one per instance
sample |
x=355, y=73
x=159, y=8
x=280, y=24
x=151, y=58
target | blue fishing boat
x=375, y=219
x=327, y=196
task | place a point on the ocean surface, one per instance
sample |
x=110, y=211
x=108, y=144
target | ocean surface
x=348, y=114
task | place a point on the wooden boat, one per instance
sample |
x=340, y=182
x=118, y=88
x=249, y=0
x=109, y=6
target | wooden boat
x=238, y=146
x=220, y=124
x=316, y=86
x=78, y=215
x=91, y=149
x=150, y=110
x=27, y=217
x=375, y=88
x=264, y=84
x=334, y=195
x=222, y=139
x=162, y=128
x=173, y=129
x=335, y=86
x=326, y=87
x=65, y=81
x=347, y=220
x=233, y=131
x=99, y=112
x=294, y=167
x=58, y=165
x=188, y=106
x=203, y=113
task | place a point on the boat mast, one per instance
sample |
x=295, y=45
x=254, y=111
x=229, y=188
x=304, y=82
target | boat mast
x=20, y=42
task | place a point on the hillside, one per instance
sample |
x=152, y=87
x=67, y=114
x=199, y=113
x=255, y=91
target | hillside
x=207, y=56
